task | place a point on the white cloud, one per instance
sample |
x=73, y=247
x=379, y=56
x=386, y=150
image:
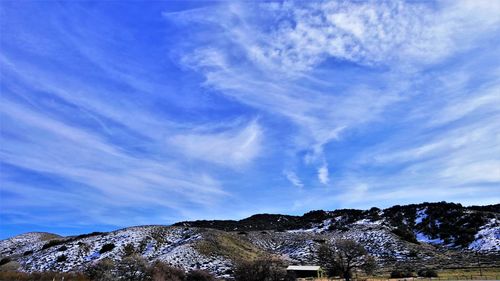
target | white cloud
x=323, y=174
x=235, y=147
x=98, y=169
x=284, y=69
x=293, y=178
x=282, y=60
x=367, y=32
x=321, y=116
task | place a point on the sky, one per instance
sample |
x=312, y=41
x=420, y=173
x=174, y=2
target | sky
x=122, y=113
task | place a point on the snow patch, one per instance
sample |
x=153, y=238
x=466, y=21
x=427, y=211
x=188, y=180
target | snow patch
x=488, y=237
x=421, y=215
x=421, y=237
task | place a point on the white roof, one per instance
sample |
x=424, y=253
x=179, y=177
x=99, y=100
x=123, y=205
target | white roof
x=304, y=267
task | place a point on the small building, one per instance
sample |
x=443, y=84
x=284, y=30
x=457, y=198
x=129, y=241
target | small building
x=304, y=271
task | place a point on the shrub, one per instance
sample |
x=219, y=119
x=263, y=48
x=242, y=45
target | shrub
x=199, y=275
x=62, y=248
x=52, y=243
x=427, y=272
x=41, y=276
x=27, y=253
x=81, y=236
x=370, y=265
x=61, y=258
x=263, y=269
x=101, y=271
x=128, y=250
x=133, y=268
x=401, y=273
x=106, y=248
x=291, y=276
x=405, y=234
x=4, y=261
x=161, y=271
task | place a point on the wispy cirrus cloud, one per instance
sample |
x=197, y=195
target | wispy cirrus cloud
x=178, y=113
x=293, y=178
x=46, y=145
x=232, y=148
x=287, y=59
x=96, y=131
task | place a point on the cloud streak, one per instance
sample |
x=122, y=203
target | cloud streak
x=230, y=148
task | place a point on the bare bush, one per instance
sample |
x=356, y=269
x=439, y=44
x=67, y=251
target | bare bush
x=133, y=268
x=199, y=275
x=161, y=271
x=101, y=271
x=263, y=269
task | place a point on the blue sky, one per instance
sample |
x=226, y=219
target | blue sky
x=121, y=113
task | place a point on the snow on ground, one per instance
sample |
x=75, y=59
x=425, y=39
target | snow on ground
x=171, y=244
x=177, y=245
x=488, y=237
x=20, y=244
x=300, y=246
x=379, y=241
x=317, y=228
x=421, y=215
x=421, y=237
x=368, y=222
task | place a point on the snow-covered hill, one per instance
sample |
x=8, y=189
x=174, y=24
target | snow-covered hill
x=488, y=237
x=217, y=250
x=175, y=245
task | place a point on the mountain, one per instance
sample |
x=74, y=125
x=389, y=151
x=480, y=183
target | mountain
x=444, y=234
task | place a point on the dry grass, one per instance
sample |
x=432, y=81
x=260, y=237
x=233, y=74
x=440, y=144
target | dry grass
x=41, y=276
x=468, y=273
x=472, y=273
x=49, y=236
x=228, y=245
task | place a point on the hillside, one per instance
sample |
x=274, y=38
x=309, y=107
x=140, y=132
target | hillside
x=436, y=223
x=444, y=234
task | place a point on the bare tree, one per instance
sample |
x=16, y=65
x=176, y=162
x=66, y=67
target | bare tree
x=326, y=258
x=344, y=256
